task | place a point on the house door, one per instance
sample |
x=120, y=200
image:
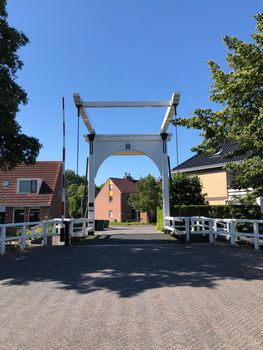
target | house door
x=34, y=215
x=2, y=218
x=19, y=215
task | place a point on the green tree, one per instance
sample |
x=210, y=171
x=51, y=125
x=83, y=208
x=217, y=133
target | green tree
x=148, y=197
x=72, y=178
x=186, y=190
x=240, y=119
x=75, y=200
x=75, y=185
x=15, y=147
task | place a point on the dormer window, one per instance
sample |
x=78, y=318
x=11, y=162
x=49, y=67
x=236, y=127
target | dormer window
x=5, y=183
x=27, y=186
x=218, y=152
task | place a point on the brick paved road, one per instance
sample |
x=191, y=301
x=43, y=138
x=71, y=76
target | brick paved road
x=132, y=296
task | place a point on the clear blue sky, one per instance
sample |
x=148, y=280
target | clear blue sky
x=120, y=50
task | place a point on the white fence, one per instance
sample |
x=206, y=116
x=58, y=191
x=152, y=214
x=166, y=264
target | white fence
x=215, y=227
x=25, y=231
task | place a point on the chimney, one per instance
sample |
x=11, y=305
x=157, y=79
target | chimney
x=128, y=176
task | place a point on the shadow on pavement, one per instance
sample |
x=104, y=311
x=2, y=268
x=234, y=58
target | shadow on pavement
x=129, y=269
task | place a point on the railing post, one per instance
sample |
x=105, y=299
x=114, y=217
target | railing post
x=256, y=236
x=44, y=233
x=187, y=229
x=198, y=226
x=66, y=228
x=232, y=233
x=54, y=228
x=215, y=230
x=211, y=234
x=2, y=240
x=192, y=222
x=23, y=238
x=173, y=225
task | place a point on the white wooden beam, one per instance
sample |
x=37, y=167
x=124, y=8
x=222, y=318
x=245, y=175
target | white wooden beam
x=126, y=104
x=170, y=112
x=83, y=113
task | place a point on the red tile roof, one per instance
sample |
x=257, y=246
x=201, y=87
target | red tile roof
x=48, y=171
x=125, y=185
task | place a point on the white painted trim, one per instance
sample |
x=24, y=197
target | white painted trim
x=84, y=115
x=203, y=167
x=126, y=104
x=171, y=104
x=170, y=112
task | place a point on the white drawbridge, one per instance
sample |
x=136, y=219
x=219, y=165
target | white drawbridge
x=102, y=146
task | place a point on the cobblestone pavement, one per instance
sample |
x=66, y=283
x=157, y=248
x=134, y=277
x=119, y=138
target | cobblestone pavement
x=132, y=296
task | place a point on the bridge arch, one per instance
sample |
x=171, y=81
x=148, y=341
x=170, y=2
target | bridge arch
x=101, y=147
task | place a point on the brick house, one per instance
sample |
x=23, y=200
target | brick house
x=31, y=192
x=111, y=202
x=216, y=180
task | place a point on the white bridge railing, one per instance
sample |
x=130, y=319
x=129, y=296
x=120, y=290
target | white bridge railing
x=215, y=227
x=25, y=231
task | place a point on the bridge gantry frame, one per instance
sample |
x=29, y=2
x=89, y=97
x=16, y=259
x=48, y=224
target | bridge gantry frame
x=101, y=146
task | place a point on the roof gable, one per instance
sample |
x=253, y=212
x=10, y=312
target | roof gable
x=125, y=185
x=47, y=171
x=212, y=160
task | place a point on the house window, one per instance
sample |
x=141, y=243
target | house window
x=110, y=199
x=27, y=186
x=218, y=152
x=110, y=214
x=19, y=215
x=110, y=187
x=5, y=183
x=34, y=215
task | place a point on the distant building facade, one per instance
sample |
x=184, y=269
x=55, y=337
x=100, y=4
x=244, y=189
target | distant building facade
x=31, y=193
x=111, y=202
x=216, y=180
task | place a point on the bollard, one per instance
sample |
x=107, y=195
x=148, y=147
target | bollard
x=66, y=231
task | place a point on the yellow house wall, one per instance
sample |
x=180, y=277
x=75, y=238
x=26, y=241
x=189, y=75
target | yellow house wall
x=214, y=185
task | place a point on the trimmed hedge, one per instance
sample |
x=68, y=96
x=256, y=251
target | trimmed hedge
x=218, y=211
x=159, y=219
x=212, y=211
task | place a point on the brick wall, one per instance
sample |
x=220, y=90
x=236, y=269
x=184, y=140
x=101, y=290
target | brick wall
x=127, y=213
x=56, y=206
x=103, y=206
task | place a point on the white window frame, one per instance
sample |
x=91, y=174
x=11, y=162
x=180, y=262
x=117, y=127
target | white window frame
x=110, y=214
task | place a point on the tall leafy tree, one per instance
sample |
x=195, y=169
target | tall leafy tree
x=186, y=190
x=75, y=185
x=148, y=197
x=72, y=178
x=15, y=147
x=239, y=92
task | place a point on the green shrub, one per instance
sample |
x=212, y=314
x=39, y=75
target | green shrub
x=218, y=211
x=159, y=221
